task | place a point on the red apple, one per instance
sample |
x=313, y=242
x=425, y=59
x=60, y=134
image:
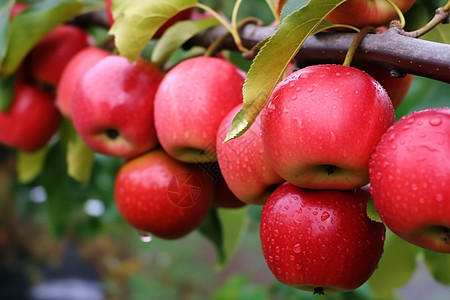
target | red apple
x=243, y=164
x=361, y=13
x=112, y=107
x=31, y=120
x=17, y=9
x=320, y=240
x=74, y=70
x=322, y=124
x=396, y=87
x=191, y=101
x=49, y=57
x=224, y=197
x=410, y=178
x=162, y=196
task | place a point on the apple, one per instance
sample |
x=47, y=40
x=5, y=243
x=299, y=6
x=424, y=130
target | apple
x=190, y=103
x=361, y=13
x=410, y=178
x=243, y=164
x=112, y=106
x=396, y=87
x=322, y=124
x=31, y=120
x=74, y=70
x=17, y=9
x=224, y=197
x=320, y=240
x=49, y=57
x=159, y=195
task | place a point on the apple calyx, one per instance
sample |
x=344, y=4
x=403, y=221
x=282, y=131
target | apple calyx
x=445, y=235
x=318, y=290
x=112, y=133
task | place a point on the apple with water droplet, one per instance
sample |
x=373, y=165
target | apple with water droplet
x=112, y=106
x=320, y=240
x=243, y=164
x=31, y=120
x=190, y=104
x=322, y=124
x=410, y=178
x=159, y=195
x=49, y=57
x=74, y=70
x=361, y=13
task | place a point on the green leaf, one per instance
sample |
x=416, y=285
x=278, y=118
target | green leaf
x=439, y=265
x=211, y=228
x=372, y=213
x=27, y=28
x=80, y=159
x=396, y=266
x=235, y=221
x=5, y=8
x=30, y=165
x=292, y=6
x=6, y=92
x=177, y=35
x=137, y=21
x=268, y=66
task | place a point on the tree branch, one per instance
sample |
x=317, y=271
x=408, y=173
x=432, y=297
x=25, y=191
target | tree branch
x=392, y=50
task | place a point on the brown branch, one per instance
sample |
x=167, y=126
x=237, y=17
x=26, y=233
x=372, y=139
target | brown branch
x=392, y=50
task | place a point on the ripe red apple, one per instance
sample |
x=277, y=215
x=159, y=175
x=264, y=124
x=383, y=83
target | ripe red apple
x=224, y=197
x=191, y=101
x=162, y=196
x=112, y=107
x=74, y=70
x=396, y=87
x=410, y=178
x=361, y=13
x=49, y=57
x=322, y=124
x=31, y=120
x=320, y=240
x=243, y=164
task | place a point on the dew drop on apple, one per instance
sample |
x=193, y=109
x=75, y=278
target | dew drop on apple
x=310, y=89
x=435, y=122
x=297, y=248
x=325, y=216
x=439, y=198
x=145, y=237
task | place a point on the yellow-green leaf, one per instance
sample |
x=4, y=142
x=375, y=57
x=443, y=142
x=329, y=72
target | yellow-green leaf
x=268, y=66
x=27, y=28
x=372, y=213
x=135, y=22
x=177, y=35
x=80, y=159
x=30, y=165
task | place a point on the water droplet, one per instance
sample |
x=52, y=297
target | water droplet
x=411, y=148
x=279, y=270
x=145, y=237
x=325, y=216
x=292, y=257
x=356, y=92
x=310, y=89
x=297, y=248
x=410, y=121
x=439, y=198
x=294, y=97
x=435, y=121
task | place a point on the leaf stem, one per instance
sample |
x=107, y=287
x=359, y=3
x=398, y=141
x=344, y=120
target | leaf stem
x=233, y=31
x=355, y=44
x=442, y=16
x=274, y=11
x=398, y=11
x=235, y=13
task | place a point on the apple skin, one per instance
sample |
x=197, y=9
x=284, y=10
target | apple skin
x=243, y=164
x=320, y=240
x=191, y=101
x=112, y=106
x=31, y=120
x=74, y=70
x=396, y=87
x=149, y=197
x=410, y=178
x=361, y=13
x=224, y=197
x=322, y=124
x=49, y=57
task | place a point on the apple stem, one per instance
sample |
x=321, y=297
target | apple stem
x=355, y=44
x=398, y=11
x=318, y=290
x=441, y=16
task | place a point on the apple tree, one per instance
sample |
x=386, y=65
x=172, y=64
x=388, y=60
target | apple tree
x=218, y=149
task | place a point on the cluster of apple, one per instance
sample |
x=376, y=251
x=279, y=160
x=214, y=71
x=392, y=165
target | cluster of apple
x=326, y=132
